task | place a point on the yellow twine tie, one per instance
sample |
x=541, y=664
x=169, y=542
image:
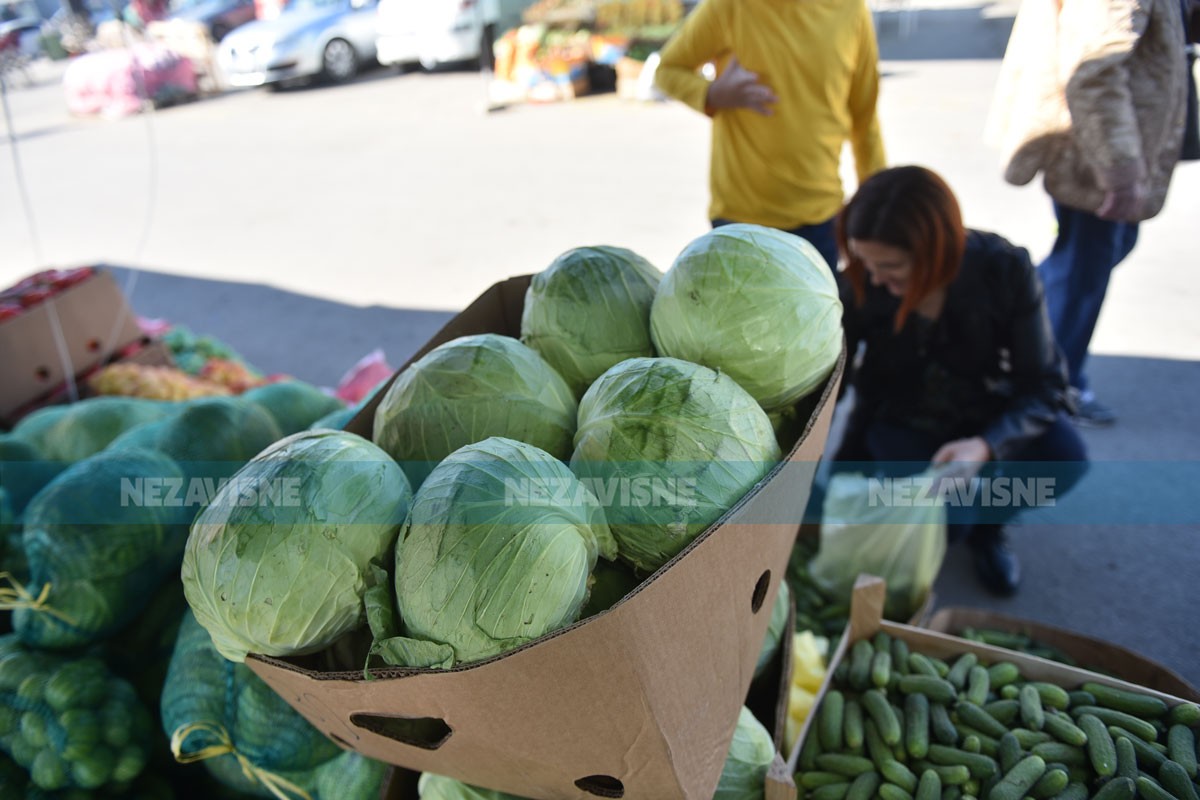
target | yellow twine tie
x=16, y=596
x=276, y=784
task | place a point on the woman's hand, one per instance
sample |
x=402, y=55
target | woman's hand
x=738, y=87
x=965, y=457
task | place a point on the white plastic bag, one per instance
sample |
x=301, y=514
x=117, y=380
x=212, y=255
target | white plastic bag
x=878, y=526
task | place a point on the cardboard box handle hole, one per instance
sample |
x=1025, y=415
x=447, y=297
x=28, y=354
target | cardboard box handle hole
x=601, y=786
x=760, y=592
x=93, y=345
x=42, y=374
x=427, y=733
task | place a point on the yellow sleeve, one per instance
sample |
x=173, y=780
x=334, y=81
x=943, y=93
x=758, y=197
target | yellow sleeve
x=865, y=137
x=699, y=40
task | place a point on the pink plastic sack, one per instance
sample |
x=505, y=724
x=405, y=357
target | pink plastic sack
x=115, y=83
x=364, y=376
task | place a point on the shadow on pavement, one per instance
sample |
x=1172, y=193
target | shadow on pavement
x=280, y=331
x=907, y=33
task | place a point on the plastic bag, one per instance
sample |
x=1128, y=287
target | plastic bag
x=868, y=526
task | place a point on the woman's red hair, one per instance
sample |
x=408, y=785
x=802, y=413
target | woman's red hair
x=913, y=209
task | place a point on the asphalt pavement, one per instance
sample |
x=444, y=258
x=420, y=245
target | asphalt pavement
x=310, y=226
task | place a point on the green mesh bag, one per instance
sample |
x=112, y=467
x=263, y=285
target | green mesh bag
x=69, y=723
x=96, y=547
x=87, y=427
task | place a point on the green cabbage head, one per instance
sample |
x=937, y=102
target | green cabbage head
x=750, y=756
x=439, y=787
x=758, y=304
x=467, y=390
x=667, y=447
x=590, y=310
x=497, y=551
x=279, y=560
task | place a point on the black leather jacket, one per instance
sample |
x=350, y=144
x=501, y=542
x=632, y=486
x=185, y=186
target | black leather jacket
x=988, y=366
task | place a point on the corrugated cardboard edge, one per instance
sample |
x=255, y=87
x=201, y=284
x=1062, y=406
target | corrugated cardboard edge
x=1086, y=650
x=311, y=693
x=866, y=619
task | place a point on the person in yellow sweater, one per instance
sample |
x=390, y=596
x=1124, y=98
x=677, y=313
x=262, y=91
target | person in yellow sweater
x=795, y=80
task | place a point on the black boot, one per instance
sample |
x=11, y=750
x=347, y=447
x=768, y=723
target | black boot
x=996, y=565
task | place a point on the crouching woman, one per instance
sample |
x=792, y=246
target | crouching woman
x=959, y=366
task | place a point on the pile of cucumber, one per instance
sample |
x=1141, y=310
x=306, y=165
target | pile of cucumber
x=900, y=725
x=1019, y=642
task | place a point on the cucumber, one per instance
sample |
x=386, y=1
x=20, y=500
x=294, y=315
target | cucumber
x=1109, y=716
x=1017, y=782
x=842, y=671
x=955, y=775
x=1003, y=673
x=1175, y=780
x=900, y=657
x=1081, y=698
x=971, y=744
x=834, y=791
x=877, y=707
x=881, y=669
x=1060, y=727
x=1009, y=753
x=1150, y=790
x=1101, y=749
x=1062, y=753
x=1005, y=711
x=1181, y=747
x=1074, y=791
x=809, y=751
x=1011, y=691
x=1029, y=738
x=831, y=721
x=952, y=792
x=895, y=772
x=981, y=766
x=1135, y=703
x=842, y=764
x=916, y=726
x=816, y=779
x=1032, y=713
x=877, y=749
x=962, y=666
x=979, y=684
x=861, y=654
x=938, y=690
x=1126, y=759
x=943, y=728
x=919, y=664
x=852, y=724
x=1147, y=756
x=1117, y=789
x=978, y=717
x=1051, y=783
x=882, y=642
x=985, y=744
x=1185, y=714
x=929, y=787
x=890, y=791
x=943, y=669
x=864, y=786
x=1052, y=696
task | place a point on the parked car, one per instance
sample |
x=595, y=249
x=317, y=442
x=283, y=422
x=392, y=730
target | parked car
x=219, y=16
x=330, y=39
x=435, y=32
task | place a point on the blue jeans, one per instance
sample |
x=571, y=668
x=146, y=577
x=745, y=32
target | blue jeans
x=819, y=236
x=896, y=451
x=1075, y=276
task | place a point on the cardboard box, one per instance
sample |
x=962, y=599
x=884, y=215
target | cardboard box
x=1087, y=652
x=866, y=619
x=767, y=699
x=94, y=322
x=638, y=702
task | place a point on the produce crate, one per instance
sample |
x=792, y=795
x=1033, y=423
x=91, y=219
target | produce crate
x=866, y=619
x=1085, y=651
x=634, y=702
x=95, y=323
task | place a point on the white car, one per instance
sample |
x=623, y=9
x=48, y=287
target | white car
x=435, y=32
x=330, y=39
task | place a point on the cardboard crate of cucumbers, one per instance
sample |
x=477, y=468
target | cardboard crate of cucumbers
x=911, y=714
